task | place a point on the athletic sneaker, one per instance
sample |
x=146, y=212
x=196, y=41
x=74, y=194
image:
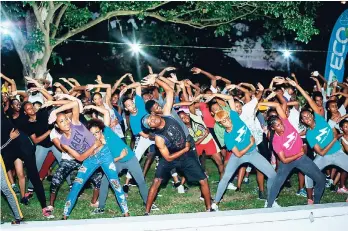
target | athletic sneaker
x=246, y=180
x=275, y=205
x=16, y=222
x=97, y=211
x=342, y=190
x=333, y=188
x=24, y=201
x=15, y=188
x=132, y=183
x=262, y=195
x=238, y=189
x=154, y=207
x=310, y=202
x=95, y=205
x=302, y=192
x=50, y=207
x=329, y=183
x=231, y=186
x=47, y=213
x=215, y=207
x=181, y=189
x=29, y=194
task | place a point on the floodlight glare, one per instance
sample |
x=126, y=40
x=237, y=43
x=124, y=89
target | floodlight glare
x=4, y=31
x=286, y=53
x=4, y=28
x=135, y=47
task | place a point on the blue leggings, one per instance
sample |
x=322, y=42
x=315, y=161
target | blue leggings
x=104, y=160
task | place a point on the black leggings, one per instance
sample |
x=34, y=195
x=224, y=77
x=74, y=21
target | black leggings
x=24, y=149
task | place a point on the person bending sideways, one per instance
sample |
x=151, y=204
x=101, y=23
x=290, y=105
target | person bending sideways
x=288, y=145
x=239, y=140
x=77, y=141
x=177, y=153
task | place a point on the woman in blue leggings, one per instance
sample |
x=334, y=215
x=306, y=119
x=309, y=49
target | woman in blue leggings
x=80, y=143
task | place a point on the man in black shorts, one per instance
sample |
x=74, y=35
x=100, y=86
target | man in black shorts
x=172, y=143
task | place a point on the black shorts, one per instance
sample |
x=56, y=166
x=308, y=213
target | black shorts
x=212, y=132
x=187, y=164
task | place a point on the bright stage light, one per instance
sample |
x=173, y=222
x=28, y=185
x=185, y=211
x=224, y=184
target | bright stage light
x=286, y=53
x=135, y=47
x=4, y=28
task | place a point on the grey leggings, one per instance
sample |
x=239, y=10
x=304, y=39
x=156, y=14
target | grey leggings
x=134, y=169
x=8, y=192
x=254, y=158
x=305, y=165
x=339, y=159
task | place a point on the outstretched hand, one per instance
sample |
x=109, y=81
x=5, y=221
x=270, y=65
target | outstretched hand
x=196, y=70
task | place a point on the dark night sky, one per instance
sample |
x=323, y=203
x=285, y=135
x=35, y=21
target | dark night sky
x=86, y=62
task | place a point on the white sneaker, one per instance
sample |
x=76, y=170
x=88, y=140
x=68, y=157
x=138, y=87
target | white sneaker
x=154, y=208
x=231, y=186
x=275, y=205
x=215, y=207
x=181, y=189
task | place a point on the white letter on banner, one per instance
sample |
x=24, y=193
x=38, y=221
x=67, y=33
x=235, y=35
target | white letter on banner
x=337, y=65
x=335, y=51
x=338, y=35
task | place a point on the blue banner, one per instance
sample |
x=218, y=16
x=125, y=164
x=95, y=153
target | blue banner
x=338, y=47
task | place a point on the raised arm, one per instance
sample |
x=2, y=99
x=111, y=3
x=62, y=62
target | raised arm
x=118, y=82
x=135, y=85
x=59, y=85
x=105, y=112
x=246, y=93
x=10, y=81
x=223, y=79
x=75, y=112
x=275, y=105
x=310, y=101
x=346, y=98
x=167, y=109
x=212, y=78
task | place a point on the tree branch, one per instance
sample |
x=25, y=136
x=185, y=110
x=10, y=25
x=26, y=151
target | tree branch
x=94, y=22
x=57, y=22
x=38, y=17
x=157, y=6
x=49, y=16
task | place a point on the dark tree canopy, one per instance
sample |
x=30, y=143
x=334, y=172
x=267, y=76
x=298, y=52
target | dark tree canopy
x=38, y=27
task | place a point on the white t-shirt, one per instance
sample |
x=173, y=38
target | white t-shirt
x=55, y=134
x=248, y=116
x=294, y=119
x=332, y=123
x=287, y=95
x=117, y=129
x=38, y=97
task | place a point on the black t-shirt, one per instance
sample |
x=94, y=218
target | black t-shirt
x=39, y=127
x=6, y=127
x=173, y=135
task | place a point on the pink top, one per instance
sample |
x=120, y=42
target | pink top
x=207, y=118
x=290, y=142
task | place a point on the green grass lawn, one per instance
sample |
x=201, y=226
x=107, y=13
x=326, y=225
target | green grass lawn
x=170, y=202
